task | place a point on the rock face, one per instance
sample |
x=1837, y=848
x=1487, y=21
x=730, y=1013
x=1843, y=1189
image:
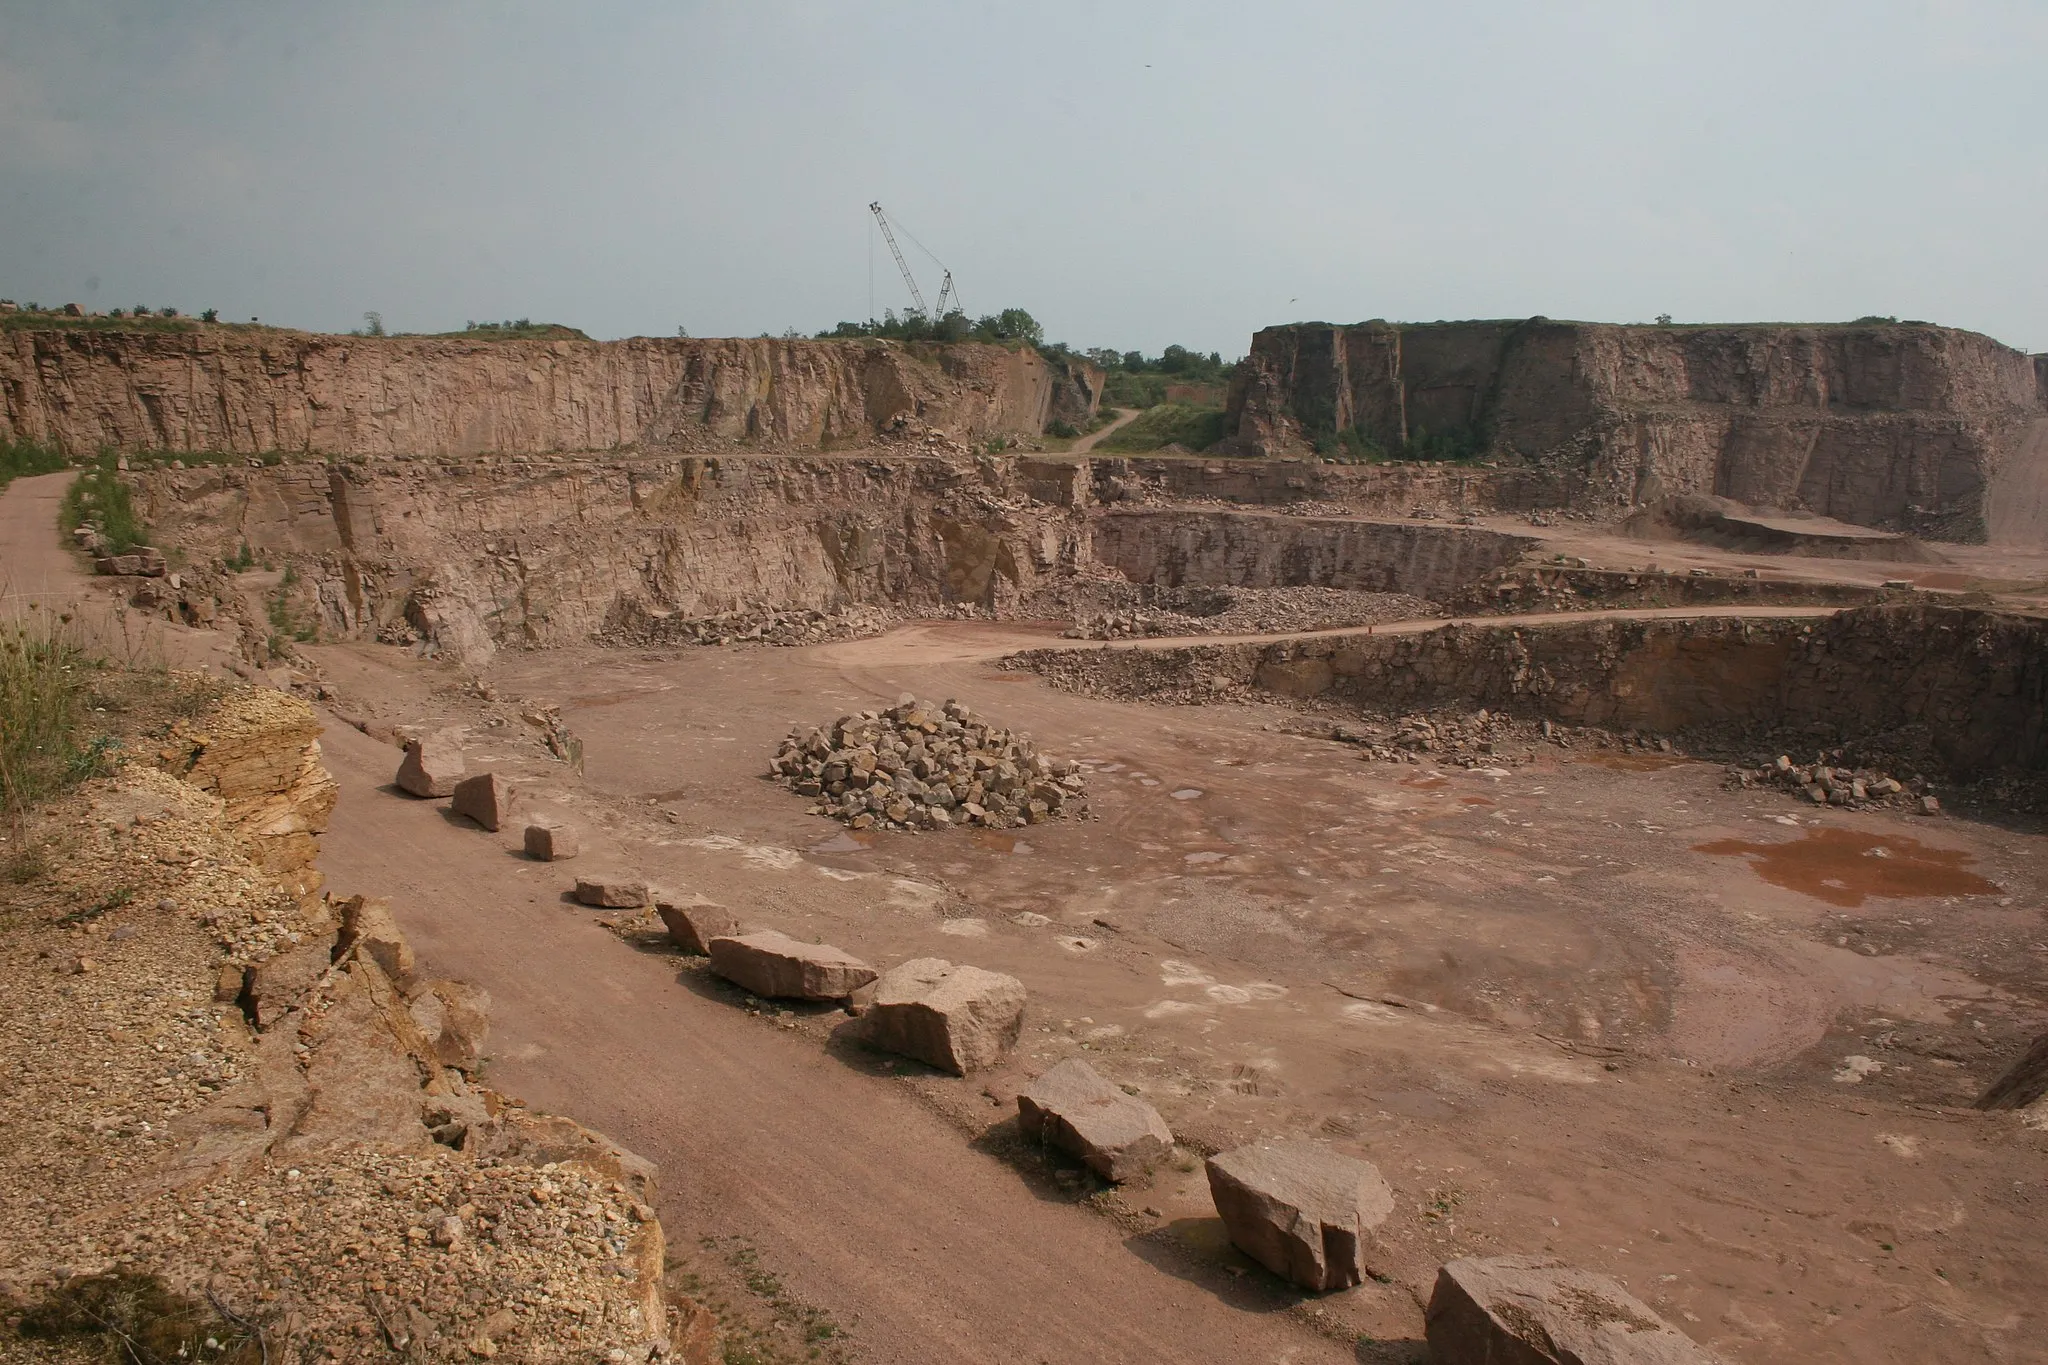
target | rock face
x=431, y=768
x=1302, y=1211
x=369, y=929
x=485, y=798
x=250, y=392
x=1506, y=1310
x=612, y=892
x=778, y=967
x=551, y=842
x=455, y=1018
x=693, y=921
x=259, y=752
x=957, y=1019
x=1072, y=1107
x=1901, y=426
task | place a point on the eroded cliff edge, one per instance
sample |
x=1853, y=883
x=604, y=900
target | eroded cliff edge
x=250, y=391
x=1905, y=426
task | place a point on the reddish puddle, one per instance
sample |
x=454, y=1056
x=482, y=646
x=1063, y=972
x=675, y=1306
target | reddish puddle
x=1842, y=867
x=1476, y=800
x=1427, y=784
x=1635, y=763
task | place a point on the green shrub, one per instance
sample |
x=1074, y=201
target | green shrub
x=99, y=498
x=18, y=458
x=1166, y=424
x=44, y=675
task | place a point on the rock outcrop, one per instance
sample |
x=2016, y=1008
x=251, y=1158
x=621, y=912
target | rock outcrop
x=958, y=1019
x=1902, y=426
x=1074, y=1108
x=259, y=752
x=252, y=391
x=1504, y=1310
x=777, y=967
x=1302, y=1211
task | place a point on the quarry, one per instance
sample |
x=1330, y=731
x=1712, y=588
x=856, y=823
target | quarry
x=1537, y=813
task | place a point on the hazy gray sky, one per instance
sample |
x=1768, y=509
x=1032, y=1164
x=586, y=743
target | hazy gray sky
x=1133, y=174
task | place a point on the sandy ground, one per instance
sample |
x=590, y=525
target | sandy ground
x=1538, y=998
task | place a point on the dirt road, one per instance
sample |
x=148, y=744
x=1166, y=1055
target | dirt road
x=1124, y=417
x=33, y=562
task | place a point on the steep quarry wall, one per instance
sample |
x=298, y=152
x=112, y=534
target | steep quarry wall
x=1902, y=426
x=1967, y=689
x=1175, y=549
x=479, y=553
x=250, y=391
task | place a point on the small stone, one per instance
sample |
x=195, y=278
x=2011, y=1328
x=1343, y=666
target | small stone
x=611, y=892
x=485, y=798
x=548, y=841
x=693, y=921
x=1929, y=805
x=431, y=767
x=448, y=1231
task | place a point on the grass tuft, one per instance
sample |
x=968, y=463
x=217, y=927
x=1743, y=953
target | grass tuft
x=1181, y=424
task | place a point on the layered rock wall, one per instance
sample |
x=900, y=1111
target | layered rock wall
x=251, y=391
x=1902, y=426
x=1967, y=689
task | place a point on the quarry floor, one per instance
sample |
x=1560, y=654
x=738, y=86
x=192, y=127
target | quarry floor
x=1735, y=1080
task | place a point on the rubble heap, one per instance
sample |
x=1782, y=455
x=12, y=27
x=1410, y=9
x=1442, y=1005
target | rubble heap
x=1838, y=786
x=923, y=765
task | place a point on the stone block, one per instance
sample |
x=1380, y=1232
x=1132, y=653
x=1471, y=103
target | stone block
x=550, y=842
x=1507, y=1310
x=955, y=1018
x=1074, y=1108
x=485, y=798
x=1304, y=1212
x=777, y=966
x=611, y=892
x=431, y=768
x=693, y=921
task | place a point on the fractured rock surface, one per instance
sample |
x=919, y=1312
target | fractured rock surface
x=1304, y=1212
x=431, y=768
x=923, y=765
x=776, y=966
x=1524, y=1310
x=485, y=798
x=1075, y=1108
x=955, y=1018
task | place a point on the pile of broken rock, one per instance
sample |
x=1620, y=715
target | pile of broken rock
x=922, y=765
x=1832, y=786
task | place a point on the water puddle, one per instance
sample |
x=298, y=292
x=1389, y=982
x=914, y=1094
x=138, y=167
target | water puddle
x=1426, y=784
x=1475, y=800
x=1844, y=867
x=995, y=841
x=846, y=841
x=1187, y=793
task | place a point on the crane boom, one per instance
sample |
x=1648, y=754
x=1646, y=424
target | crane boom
x=949, y=298
x=916, y=295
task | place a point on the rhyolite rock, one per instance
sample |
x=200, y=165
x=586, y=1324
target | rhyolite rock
x=550, y=841
x=693, y=921
x=777, y=966
x=1304, y=1212
x=1074, y=1108
x=1523, y=1310
x=611, y=891
x=485, y=798
x=431, y=767
x=955, y=1018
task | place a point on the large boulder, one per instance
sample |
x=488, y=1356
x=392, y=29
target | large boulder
x=485, y=798
x=953, y=1018
x=693, y=921
x=1522, y=1310
x=777, y=966
x=1075, y=1108
x=431, y=767
x=611, y=892
x=1304, y=1212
